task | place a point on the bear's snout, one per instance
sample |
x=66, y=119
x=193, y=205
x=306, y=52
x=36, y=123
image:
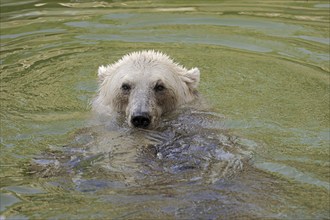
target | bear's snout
x=141, y=120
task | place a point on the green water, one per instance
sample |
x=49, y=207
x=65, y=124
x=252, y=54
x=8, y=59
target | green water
x=264, y=68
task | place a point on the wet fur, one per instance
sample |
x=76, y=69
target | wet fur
x=142, y=71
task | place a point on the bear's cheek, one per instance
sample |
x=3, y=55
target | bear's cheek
x=120, y=102
x=167, y=101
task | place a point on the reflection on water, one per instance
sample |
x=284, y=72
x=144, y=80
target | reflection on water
x=260, y=149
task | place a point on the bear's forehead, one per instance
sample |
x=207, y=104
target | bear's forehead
x=145, y=72
x=146, y=78
x=143, y=78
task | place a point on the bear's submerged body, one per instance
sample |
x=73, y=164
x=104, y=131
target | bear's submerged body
x=189, y=145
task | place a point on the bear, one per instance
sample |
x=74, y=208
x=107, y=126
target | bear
x=143, y=86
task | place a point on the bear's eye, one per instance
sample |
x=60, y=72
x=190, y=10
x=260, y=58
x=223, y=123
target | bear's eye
x=159, y=88
x=125, y=87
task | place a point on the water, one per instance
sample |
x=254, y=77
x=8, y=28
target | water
x=259, y=148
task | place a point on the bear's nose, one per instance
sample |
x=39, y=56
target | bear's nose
x=141, y=120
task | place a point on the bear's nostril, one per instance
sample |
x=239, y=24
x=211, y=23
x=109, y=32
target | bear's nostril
x=141, y=121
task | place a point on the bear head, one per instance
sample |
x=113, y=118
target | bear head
x=144, y=85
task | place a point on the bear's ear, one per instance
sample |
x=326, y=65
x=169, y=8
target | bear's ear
x=191, y=78
x=103, y=71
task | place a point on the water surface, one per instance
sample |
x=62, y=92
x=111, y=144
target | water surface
x=259, y=148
